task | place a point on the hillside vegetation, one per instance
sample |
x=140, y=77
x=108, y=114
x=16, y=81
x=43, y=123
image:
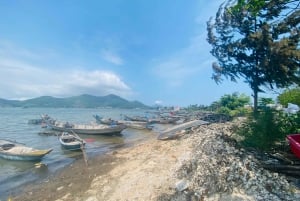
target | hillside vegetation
x=82, y=101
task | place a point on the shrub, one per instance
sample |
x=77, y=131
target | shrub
x=266, y=127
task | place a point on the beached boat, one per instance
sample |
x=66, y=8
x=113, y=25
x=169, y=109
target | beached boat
x=136, y=118
x=71, y=141
x=174, y=132
x=88, y=129
x=137, y=124
x=16, y=151
x=294, y=142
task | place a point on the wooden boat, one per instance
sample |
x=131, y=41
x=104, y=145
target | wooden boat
x=173, y=132
x=71, y=141
x=136, y=118
x=137, y=124
x=16, y=151
x=88, y=129
x=294, y=142
x=45, y=118
x=109, y=121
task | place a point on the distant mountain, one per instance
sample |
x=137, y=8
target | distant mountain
x=82, y=101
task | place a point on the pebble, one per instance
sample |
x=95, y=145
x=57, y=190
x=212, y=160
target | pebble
x=217, y=167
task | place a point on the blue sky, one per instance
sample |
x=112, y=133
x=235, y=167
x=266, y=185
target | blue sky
x=151, y=51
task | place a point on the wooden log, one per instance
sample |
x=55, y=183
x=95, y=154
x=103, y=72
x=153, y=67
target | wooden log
x=284, y=169
x=281, y=158
x=278, y=167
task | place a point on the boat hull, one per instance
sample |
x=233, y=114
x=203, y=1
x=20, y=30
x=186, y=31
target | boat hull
x=294, y=142
x=26, y=157
x=71, y=147
x=71, y=141
x=110, y=130
x=16, y=151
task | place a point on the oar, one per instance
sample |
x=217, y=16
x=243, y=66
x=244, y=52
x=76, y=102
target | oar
x=81, y=147
x=84, y=154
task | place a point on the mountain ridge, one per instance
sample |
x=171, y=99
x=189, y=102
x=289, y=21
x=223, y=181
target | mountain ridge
x=81, y=101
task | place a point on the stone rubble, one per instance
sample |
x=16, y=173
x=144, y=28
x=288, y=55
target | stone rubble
x=220, y=171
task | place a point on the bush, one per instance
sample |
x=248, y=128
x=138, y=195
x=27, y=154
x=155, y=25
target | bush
x=290, y=96
x=232, y=105
x=263, y=129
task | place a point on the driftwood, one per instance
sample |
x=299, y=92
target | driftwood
x=287, y=163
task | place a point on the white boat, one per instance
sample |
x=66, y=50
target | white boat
x=71, y=141
x=17, y=151
x=88, y=129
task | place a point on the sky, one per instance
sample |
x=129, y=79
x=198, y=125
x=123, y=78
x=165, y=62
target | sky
x=151, y=51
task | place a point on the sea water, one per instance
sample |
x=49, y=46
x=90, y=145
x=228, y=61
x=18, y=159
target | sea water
x=14, y=126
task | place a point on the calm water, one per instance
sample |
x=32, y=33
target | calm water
x=14, y=125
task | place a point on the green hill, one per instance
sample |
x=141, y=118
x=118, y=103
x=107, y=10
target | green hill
x=82, y=101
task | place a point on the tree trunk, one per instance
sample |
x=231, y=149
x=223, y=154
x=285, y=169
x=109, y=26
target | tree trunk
x=255, y=99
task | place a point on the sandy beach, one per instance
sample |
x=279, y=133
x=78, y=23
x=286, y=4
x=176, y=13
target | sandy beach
x=201, y=165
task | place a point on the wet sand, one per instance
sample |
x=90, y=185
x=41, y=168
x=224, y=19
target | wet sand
x=140, y=172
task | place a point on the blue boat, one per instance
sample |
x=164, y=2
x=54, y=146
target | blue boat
x=71, y=141
x=16, y=151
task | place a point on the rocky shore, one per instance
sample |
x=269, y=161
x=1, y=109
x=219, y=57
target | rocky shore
x=203, y=164
x=218, y=170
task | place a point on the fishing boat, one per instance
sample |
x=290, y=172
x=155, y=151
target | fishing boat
x=137, y=124
x=88, y=129
x=17, y=151
x=294, y=142
x=107, y=121
x=71, y=141
x=175, y=131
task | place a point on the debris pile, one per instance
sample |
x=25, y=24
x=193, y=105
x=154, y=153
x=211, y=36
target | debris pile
x=219, y=170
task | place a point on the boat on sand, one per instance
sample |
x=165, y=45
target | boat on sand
x=16, y=151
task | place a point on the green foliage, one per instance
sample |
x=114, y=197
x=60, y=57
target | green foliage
x=234, y=100
x=266, y=127
x=290, y=96
x=231, y=104
x=263, y=102
x=82, y=101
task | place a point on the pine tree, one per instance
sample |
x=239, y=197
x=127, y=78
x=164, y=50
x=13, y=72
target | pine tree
x=257, y=41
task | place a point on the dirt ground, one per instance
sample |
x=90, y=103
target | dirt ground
x=141, y=172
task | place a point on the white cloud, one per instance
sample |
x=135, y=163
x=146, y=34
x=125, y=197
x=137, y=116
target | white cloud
x=158, y=102
x=112, y=57
x=20, y=79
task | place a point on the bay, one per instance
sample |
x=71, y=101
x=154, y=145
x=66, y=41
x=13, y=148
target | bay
x=14, y=126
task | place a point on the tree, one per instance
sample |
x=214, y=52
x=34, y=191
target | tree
x=257, y=41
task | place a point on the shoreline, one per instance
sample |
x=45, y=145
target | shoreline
x=200, y=165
